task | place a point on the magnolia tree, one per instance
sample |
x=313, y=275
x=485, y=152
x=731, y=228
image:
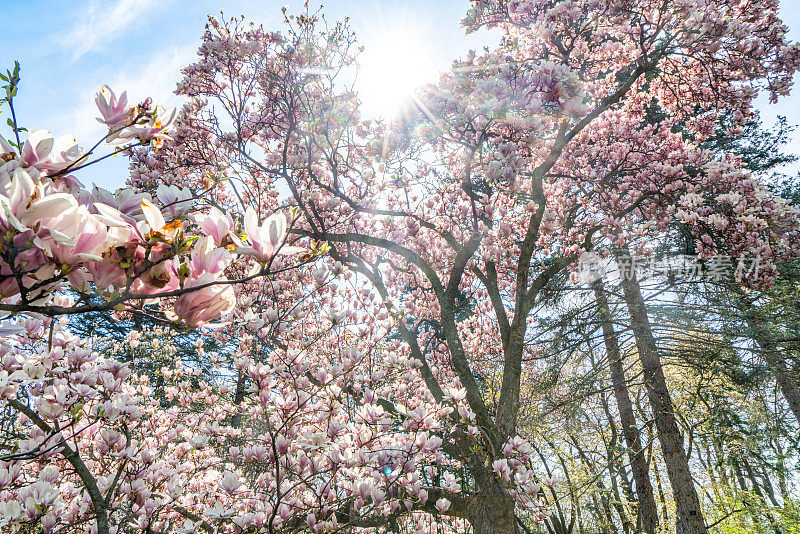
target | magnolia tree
x=66, y=251
x=375, y=383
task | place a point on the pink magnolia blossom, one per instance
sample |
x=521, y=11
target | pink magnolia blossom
x=5, y=147
x=91, y=242
x=216, y=224
x=206, y=258
x=155, y=223
x=154, y=129
x=206, y=304
x=106, y=273
x=44, y=153
x=177, y=201
x=127, y=201
x=266, y=239
x=37, y=147
x=64, y=153
x=55, y=217
x=115, y=111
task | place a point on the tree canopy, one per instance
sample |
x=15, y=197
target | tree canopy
x=557, y=293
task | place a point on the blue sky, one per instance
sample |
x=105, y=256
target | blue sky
x=68, y=48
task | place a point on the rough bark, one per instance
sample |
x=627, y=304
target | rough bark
x=648, y=512
x=689, y=515
x=492, y=512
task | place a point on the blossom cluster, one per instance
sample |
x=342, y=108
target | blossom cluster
x=125, y=247
x=89, y=426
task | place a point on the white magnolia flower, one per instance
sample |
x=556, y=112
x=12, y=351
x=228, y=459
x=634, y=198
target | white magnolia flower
x=218, y=511
x=177, y=201
x=231, y=481
x=442, y=505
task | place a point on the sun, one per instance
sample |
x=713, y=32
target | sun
x=393, y=66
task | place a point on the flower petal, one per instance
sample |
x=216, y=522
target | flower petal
x=153, y=215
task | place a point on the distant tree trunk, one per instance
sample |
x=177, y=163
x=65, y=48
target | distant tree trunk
x=606, y=523
x=781, y=468
x=689, y=515
x=238, y=398
x=648, y=512
x=616, y=469
x=786, y=383
x=739, y=477
x=719, y=454
x=662, y=499
x=604, y=520
x=783, y=376
x=757, y=489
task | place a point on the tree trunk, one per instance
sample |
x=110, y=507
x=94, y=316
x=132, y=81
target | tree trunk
x=689, y=515
x=238, y=398
x=616, y=469
x=648, y=513
x=492, y=511
x=608, y=524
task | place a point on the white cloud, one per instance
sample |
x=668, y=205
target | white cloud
x=158, y=77
x=102, y=22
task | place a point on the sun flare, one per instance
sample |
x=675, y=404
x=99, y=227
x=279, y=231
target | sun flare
x=393, y=66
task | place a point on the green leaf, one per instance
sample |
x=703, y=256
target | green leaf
x=10, y=123
x=3, y=77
